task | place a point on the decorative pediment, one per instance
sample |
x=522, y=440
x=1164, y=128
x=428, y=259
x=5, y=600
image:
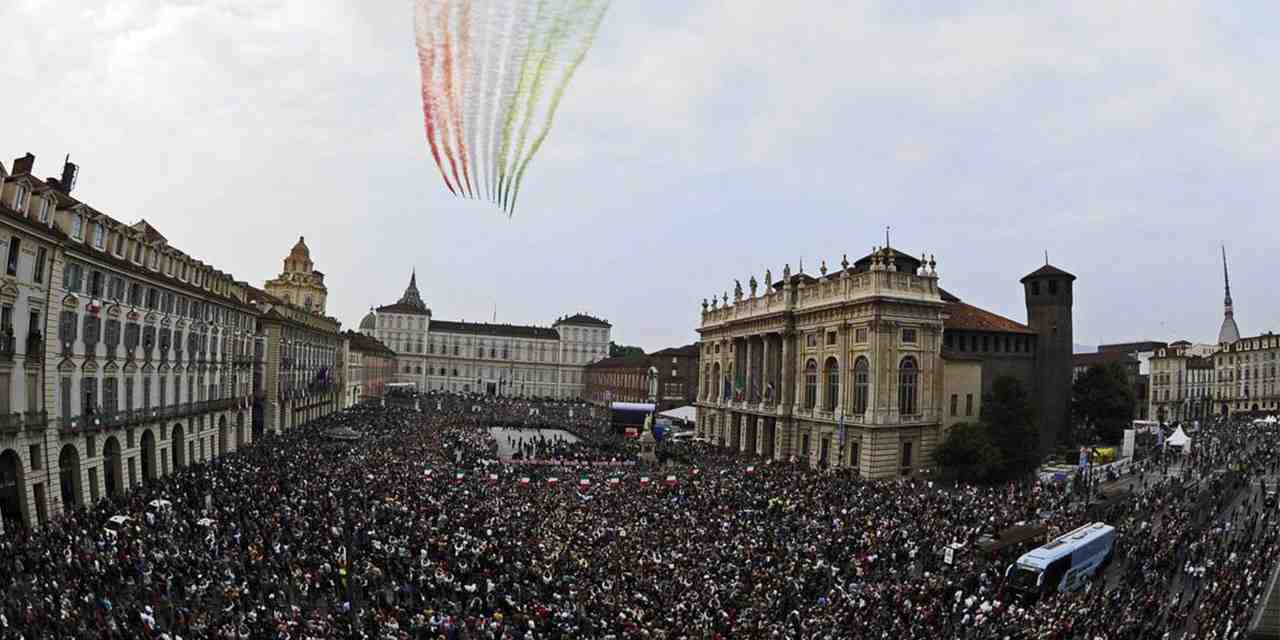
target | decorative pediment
x=8, y=291
x=152, y=318
x=70, y=301
x=66, y=366
x=133, y=315
x=110, y=367
x=177, y=367
x=113, y=311
x=165, y=321
x=89, y=366
x=130, y=367
x=164, y=367
x=181, y=323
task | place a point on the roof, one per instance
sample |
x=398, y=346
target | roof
x=1101, y=357
x=582, y=318
x=497, y=330
x=1197, y=362
x=966, y=317
x=405, y=308
x=300, y=249
x=1229, y=332
x=370, y=321
x=254, y=295
x=621, y=362
x=904, y=262
x=1046, y=271
x=688, y=351
x=367, y=344
x=1141, y=345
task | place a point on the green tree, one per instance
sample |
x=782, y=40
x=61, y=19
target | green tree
x=1010, y=422
x=616, y=350
x=969, y=454
x=1102, y=400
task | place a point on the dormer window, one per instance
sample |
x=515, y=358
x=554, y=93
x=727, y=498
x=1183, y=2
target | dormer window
x=99, y=235
x=137, y=251
x=18, y=197
x=155, y=260
x=42, y=210
x=77, y=226
x=184, y=272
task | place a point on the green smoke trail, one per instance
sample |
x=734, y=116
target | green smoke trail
x=585, y=46
x=510, y=111
x=560, y=31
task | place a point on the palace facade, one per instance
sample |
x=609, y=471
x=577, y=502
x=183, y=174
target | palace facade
x=867, y=366
x=497, y=359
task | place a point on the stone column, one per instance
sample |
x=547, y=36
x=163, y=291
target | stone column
x=748, y=375
x=765, y=372
x=760, y=435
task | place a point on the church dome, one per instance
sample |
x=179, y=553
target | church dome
x=300, y=250
x=369, y=323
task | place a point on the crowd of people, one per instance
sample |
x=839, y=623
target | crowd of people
x=419, y=530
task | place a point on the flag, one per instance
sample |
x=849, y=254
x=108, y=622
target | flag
x=524, y=481
x=751, y=470
x=644, y=481
x=584, y=482
x=493, y=477
x=553, y=481
x=428, y=473
x=457, y=477
x=694, y=472
x=613, y=482
x=671, y=480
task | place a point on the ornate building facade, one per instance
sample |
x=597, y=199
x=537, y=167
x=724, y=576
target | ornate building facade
x=860, y=367
x=300, y=284
x=147, y=362
x=369, y=364
x=497, y=359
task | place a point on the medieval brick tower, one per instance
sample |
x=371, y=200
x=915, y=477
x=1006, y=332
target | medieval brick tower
x=1048, y=294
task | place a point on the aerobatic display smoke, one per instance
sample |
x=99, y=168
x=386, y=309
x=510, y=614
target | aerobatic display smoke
x=493, y=74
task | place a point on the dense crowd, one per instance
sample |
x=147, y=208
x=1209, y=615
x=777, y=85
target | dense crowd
x=419, y=530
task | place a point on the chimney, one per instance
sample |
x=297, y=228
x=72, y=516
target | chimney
x=24, y=164
x=69, y=173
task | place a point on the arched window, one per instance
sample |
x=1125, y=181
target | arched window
x=718, y=392
x=908, y=379
x=832, y=392
x=861, y=385
x=706, y=382
x=810, y=384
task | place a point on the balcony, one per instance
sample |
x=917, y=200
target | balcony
x=35, y=346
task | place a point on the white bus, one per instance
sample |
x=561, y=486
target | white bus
x=1064, y=564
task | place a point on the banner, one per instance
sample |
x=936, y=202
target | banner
x=569, y=463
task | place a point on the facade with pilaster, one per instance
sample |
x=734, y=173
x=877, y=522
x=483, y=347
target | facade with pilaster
x=480, y=357
x=773, y=361
x=300, y=379
x=147, y=365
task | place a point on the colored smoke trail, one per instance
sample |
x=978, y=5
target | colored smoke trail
x=494, y=72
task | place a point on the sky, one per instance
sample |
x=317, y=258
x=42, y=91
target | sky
x=701, y=141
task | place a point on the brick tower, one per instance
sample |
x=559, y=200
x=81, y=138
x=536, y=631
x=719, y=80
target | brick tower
x=1049, y=299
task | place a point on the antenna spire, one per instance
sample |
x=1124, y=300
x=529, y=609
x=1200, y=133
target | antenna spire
x=886, y=236
x=1046, y=257
x=1226, y=278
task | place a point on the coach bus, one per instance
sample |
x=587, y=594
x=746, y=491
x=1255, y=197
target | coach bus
x=1064, y=564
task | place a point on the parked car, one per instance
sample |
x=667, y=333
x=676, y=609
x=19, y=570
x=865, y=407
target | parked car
x=116, y=524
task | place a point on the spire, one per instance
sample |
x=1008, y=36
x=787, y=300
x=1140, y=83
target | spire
x=1229, y=332
x=413, y=279
x=411, y=295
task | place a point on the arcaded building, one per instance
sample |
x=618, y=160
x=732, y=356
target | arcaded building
x=868, y=365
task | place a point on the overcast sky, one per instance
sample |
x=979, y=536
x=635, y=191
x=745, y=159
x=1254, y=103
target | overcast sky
x=702, y=141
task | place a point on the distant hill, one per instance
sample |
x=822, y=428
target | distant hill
x=1084, y=348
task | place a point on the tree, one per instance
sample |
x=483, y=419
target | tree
x=1103, y=400
x=1010, y=422
x=969, y=453
x=616, y=350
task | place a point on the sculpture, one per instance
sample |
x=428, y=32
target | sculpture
x=753, y=284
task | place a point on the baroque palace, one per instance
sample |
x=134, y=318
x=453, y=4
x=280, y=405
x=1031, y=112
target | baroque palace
x=123, y=359
x=868, y=365
x=495, y=359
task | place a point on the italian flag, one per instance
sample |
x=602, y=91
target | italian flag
x=613, y=482
x=584, y=482
x=428, y=473
x=493, y=477
x=671, y=480
x=694, y=472
x=553, y=481
x=457, y=477
x=644, y=481
x=524, y=482
x=751, y=470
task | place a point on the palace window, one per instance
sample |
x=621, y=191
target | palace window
x=811, y=383
x=909, y=336
x=831, y=338
x=833, y=384
x=861, y=385
x=908, y=380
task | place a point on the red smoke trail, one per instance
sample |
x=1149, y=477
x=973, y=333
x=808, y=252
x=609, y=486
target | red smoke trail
x=448, y=82
x=465, y=61
x=426, y=60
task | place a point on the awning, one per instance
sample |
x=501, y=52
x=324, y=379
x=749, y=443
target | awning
x=688, y=413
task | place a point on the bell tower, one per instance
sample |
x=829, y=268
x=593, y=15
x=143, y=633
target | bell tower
x=300, y=284
x=1048, y=292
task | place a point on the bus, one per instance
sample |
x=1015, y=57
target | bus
x=1064, y=564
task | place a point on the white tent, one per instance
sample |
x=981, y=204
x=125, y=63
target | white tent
x=1179, y=439
x=688, y=413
